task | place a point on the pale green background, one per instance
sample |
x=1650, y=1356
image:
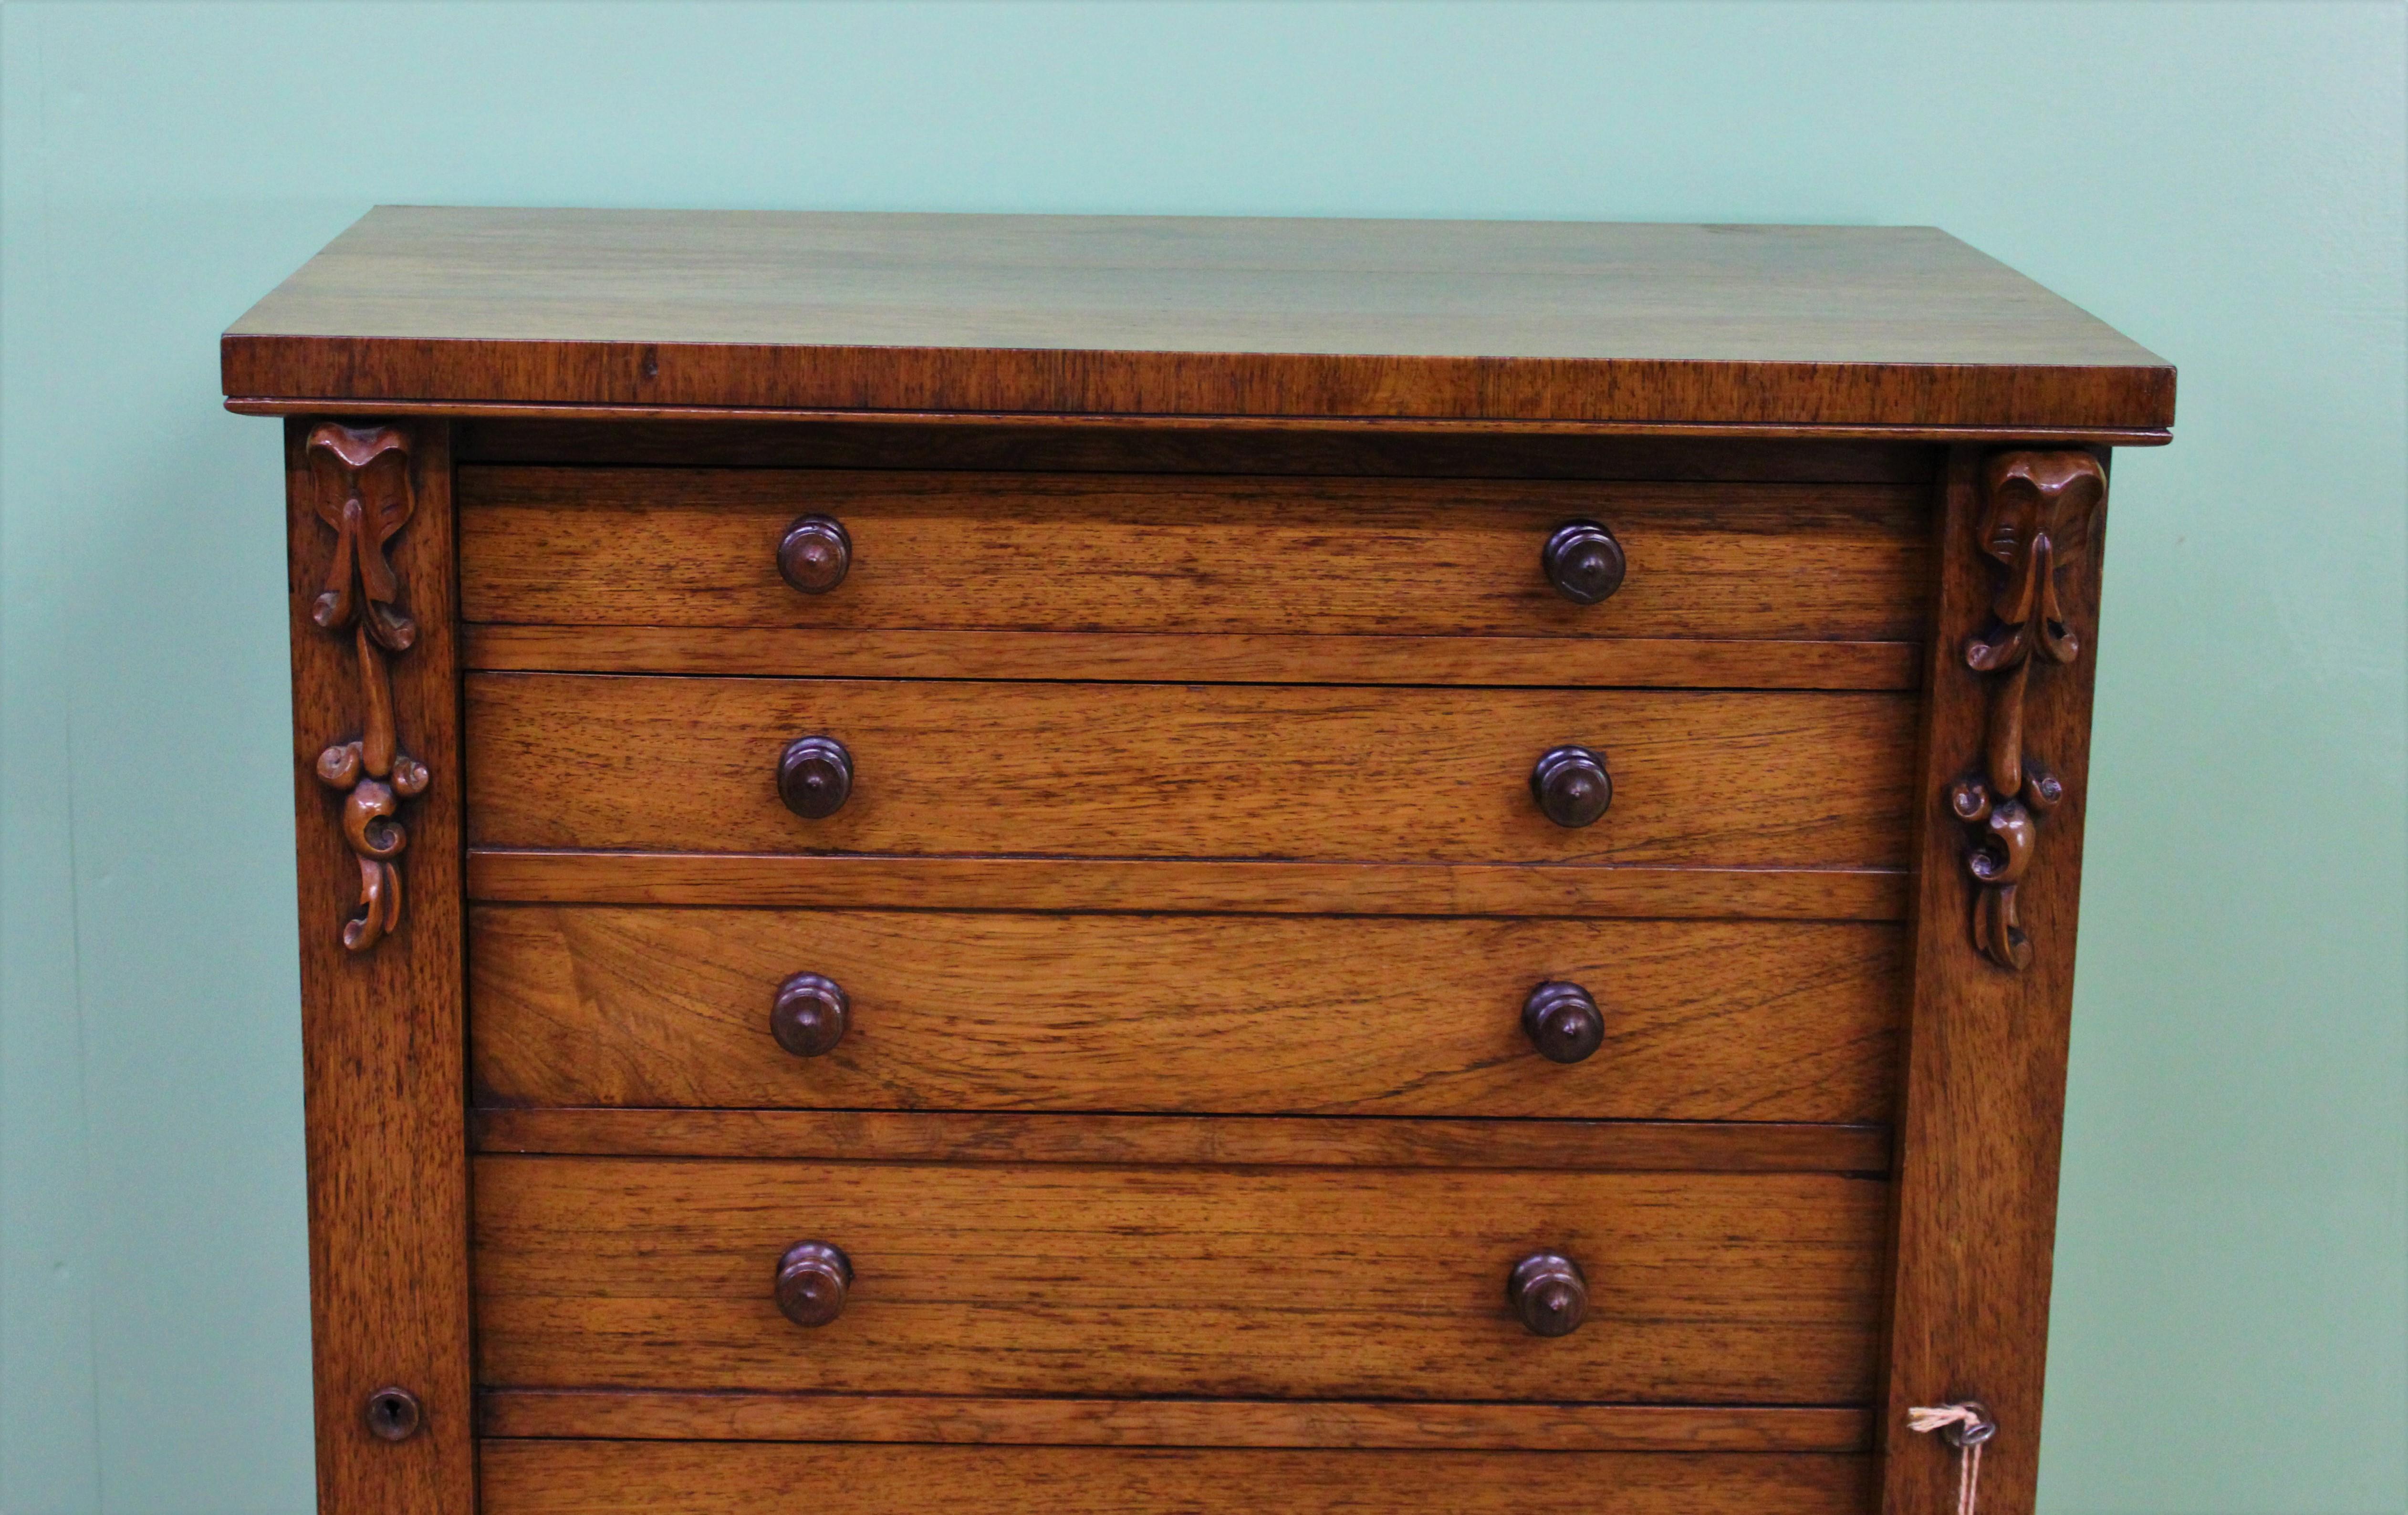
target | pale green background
x=2222, y=183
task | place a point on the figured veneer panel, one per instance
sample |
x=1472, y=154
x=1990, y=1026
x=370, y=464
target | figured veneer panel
x=1315, y=1283
x=670, y=1478
x=1262, y=1014
x=1137, y=553
x=1815, y=326
x=1168, y=770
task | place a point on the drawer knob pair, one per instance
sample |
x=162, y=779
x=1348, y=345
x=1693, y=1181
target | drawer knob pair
x=1547, y=1289
x=809, y=1014
x=1584, y=562
x=815, y=554
x=1570, y=784
x=1582, y=559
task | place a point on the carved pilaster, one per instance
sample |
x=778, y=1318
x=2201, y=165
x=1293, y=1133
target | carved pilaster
x=2036, y=518
x=366, y=496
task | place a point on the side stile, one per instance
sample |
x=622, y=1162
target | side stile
x=378, y=818
x=1982, y=1111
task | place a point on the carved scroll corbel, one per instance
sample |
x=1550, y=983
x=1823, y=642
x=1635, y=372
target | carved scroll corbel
x=2037, y=510
x=364, y=493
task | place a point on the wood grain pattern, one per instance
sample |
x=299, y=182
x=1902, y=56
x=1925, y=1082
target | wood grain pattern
x=1797, y=325
x=1009, y=884
x=1984, y=1095
x=1085, y=552
x=1176, y=445
x=382, y=1040
x=636, y=1414
x=1260, y=1014
x=1187, y=1140
x=1153, y=770
x=670, y=1478
x=1145, y=657
x=1312, y=1282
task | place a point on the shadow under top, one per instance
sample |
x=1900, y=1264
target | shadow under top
x=1806, y=329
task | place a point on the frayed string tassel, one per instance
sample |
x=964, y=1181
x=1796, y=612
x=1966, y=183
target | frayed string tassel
x=1966, y=1425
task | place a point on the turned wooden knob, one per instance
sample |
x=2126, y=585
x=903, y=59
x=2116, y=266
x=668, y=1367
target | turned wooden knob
x=1584, y=562
x=1549, y=1292
x=1571, y=785
x=810, y=1015
x=815, y=554
x=816, y=777
x=1562, y=1023
x=812, y=1279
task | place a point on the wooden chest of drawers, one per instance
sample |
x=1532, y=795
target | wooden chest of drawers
x=1051, y=864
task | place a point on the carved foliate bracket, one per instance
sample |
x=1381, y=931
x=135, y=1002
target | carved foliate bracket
x=364, y=493
x=2037, y=510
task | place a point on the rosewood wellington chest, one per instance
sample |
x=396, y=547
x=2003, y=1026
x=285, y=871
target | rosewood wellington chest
x=1023, y=865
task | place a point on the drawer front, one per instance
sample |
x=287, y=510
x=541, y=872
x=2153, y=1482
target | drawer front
x=578, y=1006
x=1103, y=552
x=1183, y=770
x=670, y=1478
x=1314, y=1283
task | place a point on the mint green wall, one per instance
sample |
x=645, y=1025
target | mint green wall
x=2222, y=183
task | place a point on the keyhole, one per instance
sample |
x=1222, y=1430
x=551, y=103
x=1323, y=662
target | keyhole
x=394, y=1414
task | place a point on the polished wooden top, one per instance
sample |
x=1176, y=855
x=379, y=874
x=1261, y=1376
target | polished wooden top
x=1770, y=326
